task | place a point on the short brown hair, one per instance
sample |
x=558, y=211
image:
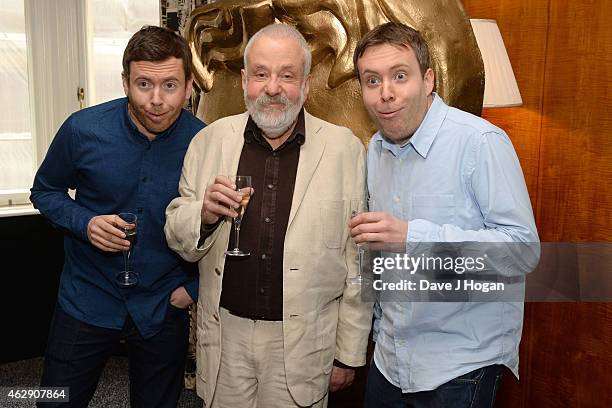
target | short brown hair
x=152, y=43
x=396, y=34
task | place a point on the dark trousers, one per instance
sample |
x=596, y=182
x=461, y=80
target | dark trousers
x=77, y=352
x=475, y=389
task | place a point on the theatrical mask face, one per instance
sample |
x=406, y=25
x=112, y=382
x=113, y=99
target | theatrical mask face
x=274, y=84
x=395, y=93
x=156, y=93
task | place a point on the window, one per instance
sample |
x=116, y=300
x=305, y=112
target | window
x=112, y=24
x=49, y=51
x=17, y=164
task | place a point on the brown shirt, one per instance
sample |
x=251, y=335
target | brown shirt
x=253, y=286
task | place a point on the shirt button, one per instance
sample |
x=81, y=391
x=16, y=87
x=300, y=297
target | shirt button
x=262, y=291
x=263, y=256
x=270, y=186
x=396, y=199
x=218, y=271
x=275, y=154
x=267, y=219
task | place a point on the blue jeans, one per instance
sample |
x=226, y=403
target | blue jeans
x=77, y=352
x=475, y=389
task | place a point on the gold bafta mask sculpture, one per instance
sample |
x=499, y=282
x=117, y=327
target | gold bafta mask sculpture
x=218, y=33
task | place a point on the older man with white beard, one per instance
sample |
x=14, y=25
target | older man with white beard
x=284, y=325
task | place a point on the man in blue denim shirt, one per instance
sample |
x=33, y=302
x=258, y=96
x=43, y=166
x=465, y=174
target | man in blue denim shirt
x=122, y=156
x=437, y=174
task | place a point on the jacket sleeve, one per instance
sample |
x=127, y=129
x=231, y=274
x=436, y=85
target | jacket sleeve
x=183, y=227
x=355, y=313
x=56, y=175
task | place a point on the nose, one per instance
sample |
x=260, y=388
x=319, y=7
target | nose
x=156, y=98
x=272, y=87
x=386, y=92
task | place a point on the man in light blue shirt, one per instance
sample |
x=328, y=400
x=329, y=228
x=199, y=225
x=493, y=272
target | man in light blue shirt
x=438, y=174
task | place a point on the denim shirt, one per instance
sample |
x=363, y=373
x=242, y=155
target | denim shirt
x=457, y=179
x=114, y=168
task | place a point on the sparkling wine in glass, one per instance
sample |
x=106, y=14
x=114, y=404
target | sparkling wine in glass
x=242, y=184
x=127, y=277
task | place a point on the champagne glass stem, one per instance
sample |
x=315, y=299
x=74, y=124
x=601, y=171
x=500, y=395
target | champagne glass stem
x=126, y=258
x=237, y=234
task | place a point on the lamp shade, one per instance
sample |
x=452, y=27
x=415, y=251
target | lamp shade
x=501, y=89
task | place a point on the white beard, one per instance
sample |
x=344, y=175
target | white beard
x=275, y=123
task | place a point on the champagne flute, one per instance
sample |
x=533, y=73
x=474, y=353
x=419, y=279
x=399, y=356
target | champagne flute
x=127, y=277
x=242, y=184
x=357, y=206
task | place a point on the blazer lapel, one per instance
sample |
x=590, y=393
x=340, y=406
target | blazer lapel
x=231, y=147
x=310, y=156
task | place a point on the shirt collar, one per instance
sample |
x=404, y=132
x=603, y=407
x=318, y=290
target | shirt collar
x=424, y=136
x=252, y=133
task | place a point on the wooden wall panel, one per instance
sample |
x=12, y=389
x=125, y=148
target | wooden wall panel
x=576, y=183
x=562, y=57
x=570, y=355
x=572, y=343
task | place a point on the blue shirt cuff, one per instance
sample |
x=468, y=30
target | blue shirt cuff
x=82, y=222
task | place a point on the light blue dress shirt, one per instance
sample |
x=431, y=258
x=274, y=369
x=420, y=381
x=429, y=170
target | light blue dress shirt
x=457, y=179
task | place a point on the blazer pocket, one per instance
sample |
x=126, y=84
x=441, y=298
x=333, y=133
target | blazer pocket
x=332, y=222
x=437, y=208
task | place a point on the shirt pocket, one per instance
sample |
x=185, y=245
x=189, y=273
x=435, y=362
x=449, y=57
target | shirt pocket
x=332, y=222
x=437, y=208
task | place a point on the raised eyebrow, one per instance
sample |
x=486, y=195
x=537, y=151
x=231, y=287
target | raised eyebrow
x=392, y=68
x=397, y=66
x=369, y=71
x=145, y=78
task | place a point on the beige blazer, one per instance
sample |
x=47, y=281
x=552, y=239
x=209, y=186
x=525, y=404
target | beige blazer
x=323, y=316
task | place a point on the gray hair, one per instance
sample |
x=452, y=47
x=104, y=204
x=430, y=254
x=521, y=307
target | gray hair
x=279, y=31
